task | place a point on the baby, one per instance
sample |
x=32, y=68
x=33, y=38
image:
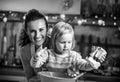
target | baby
x=62, y=58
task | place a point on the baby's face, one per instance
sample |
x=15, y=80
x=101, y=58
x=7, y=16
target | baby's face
x=64, y=43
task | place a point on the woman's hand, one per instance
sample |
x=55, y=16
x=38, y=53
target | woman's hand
x=98, y=53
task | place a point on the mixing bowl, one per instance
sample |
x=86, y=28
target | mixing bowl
x=57, y=77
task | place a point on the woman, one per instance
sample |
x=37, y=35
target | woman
x=33, y=36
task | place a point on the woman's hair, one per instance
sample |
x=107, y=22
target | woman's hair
x=59, y=29
x=32, y=15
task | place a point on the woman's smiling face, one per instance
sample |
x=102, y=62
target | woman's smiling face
x=37, y=31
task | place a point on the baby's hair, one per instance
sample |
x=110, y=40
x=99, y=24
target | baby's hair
x=59, y=29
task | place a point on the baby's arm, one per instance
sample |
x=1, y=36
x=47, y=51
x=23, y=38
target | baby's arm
x=79, y=63
x=39, y=58
x=89, y=63
x=97, y=56
x=85, y=64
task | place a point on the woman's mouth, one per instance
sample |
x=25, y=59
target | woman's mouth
x=39, y=39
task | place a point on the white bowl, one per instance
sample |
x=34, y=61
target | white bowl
x=55, y=77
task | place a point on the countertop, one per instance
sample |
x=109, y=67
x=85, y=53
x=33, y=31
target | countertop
x=10, y=70
x=100, y=78
x=16, y=71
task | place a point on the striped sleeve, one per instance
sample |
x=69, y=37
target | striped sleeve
x=84, y=64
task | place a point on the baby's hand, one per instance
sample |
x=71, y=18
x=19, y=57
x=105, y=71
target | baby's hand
x=98, y=53
x=72, y=72
x=38, y=58
x=39, y=52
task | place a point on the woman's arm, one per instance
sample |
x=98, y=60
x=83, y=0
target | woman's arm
x=25, y=58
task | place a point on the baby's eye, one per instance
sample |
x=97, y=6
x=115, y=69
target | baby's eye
x=69, y=42
x=62, y=42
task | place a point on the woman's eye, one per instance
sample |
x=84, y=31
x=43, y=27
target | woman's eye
x=41, y=30
x=31, y=31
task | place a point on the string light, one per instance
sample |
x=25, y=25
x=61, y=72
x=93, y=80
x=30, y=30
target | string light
x=62, y=16
x=103, y=23
x=96, y=16
x=5, y=19
x=24, y=17
x=84, y=20
x=93, y=22
x=54, y=17
x=114, y=18
x=115, y=23
x=79, y=22
x=111, y=15
x=46, y=17
x=104, y=15
x=74, y=19
x=100, y=22
x=3, y=14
